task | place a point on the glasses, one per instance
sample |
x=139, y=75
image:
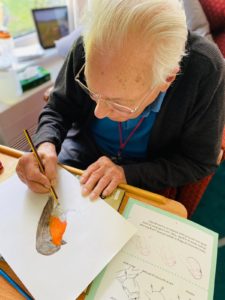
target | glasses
x=110, y=103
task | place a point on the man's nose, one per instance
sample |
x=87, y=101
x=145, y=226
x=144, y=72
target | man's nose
x=102, y=110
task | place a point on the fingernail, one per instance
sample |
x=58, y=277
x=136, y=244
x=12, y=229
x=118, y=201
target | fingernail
x=81, y=179
x=84, y=191
x=93, y=196
x=103, y=196
x=47, y=186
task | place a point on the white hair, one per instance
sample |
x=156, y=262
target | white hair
x=159, y=25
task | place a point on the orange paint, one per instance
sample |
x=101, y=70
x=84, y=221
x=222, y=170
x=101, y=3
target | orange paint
x=57, y=229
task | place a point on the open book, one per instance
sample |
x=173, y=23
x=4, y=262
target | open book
x=169, y=258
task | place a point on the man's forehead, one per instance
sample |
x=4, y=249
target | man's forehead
x=122, y=66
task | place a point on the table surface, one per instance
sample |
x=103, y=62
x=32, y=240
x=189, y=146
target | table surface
x=9, y=158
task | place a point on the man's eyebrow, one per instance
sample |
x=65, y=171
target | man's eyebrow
x=119, y=99
x=107, y=98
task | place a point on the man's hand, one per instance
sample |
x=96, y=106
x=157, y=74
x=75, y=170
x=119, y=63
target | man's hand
x=28, y=170
x=101, y=178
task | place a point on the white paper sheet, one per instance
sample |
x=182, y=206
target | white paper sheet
x=95, y=233
x=169, y=258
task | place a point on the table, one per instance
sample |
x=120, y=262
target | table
x=9, y=157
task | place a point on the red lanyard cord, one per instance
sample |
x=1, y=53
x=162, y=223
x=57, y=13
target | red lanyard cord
x=123, y=144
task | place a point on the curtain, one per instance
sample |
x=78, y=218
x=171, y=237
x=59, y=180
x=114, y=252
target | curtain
x=75, y=11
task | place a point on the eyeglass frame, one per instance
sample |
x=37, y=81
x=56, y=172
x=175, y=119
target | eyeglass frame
x=96, y=97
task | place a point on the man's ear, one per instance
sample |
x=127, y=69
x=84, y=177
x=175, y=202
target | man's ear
x=169, y=80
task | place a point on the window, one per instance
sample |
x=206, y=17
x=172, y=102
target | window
x=16, y=15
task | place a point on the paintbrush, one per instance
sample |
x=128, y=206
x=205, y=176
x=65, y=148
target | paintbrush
x=41, y=166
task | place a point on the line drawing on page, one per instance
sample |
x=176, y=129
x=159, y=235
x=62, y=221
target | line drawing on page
x=155, y=294
x=194, y=267
x=168, y=256
x=128, y=281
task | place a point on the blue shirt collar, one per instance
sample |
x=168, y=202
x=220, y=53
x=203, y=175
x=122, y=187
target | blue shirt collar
x=155, y=106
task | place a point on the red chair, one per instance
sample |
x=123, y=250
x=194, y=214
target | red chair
x=215, y=14
x=189, y=195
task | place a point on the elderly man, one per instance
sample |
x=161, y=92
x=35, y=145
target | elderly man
x=139, y=100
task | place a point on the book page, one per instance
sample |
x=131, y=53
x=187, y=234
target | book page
x=169, y=258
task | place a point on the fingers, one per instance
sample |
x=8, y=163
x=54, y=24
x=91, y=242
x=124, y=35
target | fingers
x=95, y=185
x=50, y=164
x=28, y=169
x=91, y=169
x=103, y=188
x=49, y=158
x=37, y=187
x=101, y=178
x=110, y=188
